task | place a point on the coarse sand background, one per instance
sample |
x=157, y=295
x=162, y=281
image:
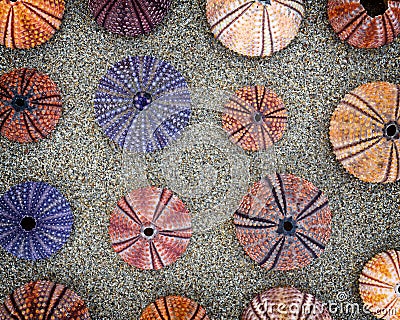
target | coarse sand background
x=311, y=75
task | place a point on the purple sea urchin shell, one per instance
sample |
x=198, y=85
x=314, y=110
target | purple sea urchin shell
x=129, y=18
x=142, y=103
x=35, y=220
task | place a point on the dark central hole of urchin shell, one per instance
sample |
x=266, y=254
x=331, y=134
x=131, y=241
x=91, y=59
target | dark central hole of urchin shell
x=287, y=226
x=264, y=2
x=20, y=103
x=374, y=7
x=141, y=100
x=391, y=130
x=258, y=117
x=13, y=0
x=28, y=223
x=148, y=232
x=397, y=289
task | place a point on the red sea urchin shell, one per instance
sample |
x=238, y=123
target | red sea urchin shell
x=284, y=222
x=27, y=23
x=255, y=118
x=255, y=27
x=365, y=132
x=380, y=285
x=44, y=300
x=150, y=228
x=285, y=303
x=352, y=24
x=174, y=308
x=129, y=18
x=30, y=105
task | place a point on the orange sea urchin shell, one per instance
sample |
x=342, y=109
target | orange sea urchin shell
x=150, y=228
x=284, y=222
x=353, y=24
x=44, y=300
x=255, y=27
x=365, y=132
x=380, y=285
x=30, y=105
x=285, y=303
x=255, y=118
x=27, y=23
x=174, y=308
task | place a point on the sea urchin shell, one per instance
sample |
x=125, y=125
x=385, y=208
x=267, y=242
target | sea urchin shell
x=365, y=131
x=142, y=104
x=30, y=105
x=380, y=285
x=255, y=27
x=35, y=220
x=174, y=308
x=284, y=222
x=27, y=23
x=44, y=300
x=150, y=228
x=285, y=303
x=353, y=24
x=129, y=18
x=255, y=118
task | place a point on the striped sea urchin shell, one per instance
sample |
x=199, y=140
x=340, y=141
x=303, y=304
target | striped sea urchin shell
x=284, y=222
x=44, y=300
x=30, y=105
x=142, y=104
x=285, y=303
x=255, y=118
x=365, y=130
x=129, y=18
x=35, y=220
x=174, y=308
x=150, y=228
x=380, y=285
x=255, y=27
x=27, y=23
x=353, y=24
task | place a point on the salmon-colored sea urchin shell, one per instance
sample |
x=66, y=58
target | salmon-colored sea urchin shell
x=380, y=285
x=30, y=105
x=150, y=228
x=365, y=131
x=174, y=308
x=27, y=23
x=255, y=118
x=44, y=300
x=284, y=222
x=353, y=24
x=285, y=303
x=255, y=27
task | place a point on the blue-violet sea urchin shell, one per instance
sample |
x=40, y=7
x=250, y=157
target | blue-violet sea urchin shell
x=35, y=220
x=142, y=104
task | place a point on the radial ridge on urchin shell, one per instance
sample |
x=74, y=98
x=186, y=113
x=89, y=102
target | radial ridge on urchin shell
x=285, y=303
x=30, y=105
x=27, y=23
x=255, y=118
x=44, y=300
x=174, y=308
x=255, y=27
x=35, y=220
x=379, y=285
x=150, y=228
x=365, y=131
x=142, y=104
x=129, y=18
x=355, y=25
x=284, y=222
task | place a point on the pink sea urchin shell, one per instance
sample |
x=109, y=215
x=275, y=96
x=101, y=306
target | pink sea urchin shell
x=150, y=228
